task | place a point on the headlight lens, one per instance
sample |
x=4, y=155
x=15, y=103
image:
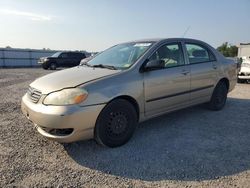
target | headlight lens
x=66, y=97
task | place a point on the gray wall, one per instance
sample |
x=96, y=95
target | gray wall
x=11, y=57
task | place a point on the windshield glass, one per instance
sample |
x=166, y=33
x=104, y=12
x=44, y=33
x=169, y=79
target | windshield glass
x=56, y=54
x=121, y=56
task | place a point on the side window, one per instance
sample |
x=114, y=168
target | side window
x=171, y=54
x=77, y=55
x=64, y=55
x=82, y=55
x=71, y=55
x=198, y=54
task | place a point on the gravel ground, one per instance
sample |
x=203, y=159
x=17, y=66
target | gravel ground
x=193, y=147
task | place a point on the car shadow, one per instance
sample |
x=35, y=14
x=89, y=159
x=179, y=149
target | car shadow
x=190, y=144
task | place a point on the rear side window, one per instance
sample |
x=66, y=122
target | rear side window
x=198, y=53
x=82, y=55
x=72, y=55
x=76, y=55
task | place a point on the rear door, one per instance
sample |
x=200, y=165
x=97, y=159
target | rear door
x=64, y=59
x=203, y=67
x=168, y=88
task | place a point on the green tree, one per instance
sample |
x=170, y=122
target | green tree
x=228, y=50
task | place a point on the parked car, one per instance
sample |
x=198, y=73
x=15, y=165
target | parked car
x=61, y=59
x=105, y=97
x=244, y=72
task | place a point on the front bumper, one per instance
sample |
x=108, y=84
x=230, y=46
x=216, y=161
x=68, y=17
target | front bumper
x=46, y=118
x=244, y=77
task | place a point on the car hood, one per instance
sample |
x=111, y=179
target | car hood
x=69, y=78
x=42, y=58
x=245, y=69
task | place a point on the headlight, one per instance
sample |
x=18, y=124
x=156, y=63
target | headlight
x=66, y=97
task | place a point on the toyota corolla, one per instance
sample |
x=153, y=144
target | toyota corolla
x=106, y=97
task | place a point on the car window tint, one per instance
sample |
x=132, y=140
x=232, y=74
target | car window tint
x=82, y=55
x=64, y=55
x=198, y=54
x=171, y=54
x=72, y=55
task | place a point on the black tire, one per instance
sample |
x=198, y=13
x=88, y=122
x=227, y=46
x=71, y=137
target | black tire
x=52, y=66
x=45, y=66
x=239, y=81
x=219, y=97
x=116, y=123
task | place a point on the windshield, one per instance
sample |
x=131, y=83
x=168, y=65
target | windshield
x=121, y=56
x=56, y=54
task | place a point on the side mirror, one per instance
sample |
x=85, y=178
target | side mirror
x=154, y=65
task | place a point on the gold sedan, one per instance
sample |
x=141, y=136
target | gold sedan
x=104, y=98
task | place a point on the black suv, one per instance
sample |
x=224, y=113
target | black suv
x=61, y=59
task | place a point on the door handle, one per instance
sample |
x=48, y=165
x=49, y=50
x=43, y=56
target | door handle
x=215, y=66
x=184, y=72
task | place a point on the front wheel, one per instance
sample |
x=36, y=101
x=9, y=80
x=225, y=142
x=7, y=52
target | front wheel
x=219, y=97
x=116, y=123
x=44, y=66
x=53, y=66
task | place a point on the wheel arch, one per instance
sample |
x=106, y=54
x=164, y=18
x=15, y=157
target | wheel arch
x=52, y=62
x=132, y=101
x=226, y=81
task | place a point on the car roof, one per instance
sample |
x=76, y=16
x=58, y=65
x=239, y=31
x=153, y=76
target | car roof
x=72, y=52
x=166, y=39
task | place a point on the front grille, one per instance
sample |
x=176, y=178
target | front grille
x=244, y=74
x=58, y=132
x=34, y=95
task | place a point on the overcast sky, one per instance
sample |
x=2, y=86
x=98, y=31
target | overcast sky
x=94, y=25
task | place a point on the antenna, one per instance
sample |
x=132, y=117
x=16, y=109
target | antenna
x=186, y=31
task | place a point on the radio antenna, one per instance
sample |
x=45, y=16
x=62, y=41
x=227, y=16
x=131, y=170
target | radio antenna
x=186, y=31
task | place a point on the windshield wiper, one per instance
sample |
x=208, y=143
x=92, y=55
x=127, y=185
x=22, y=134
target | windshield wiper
x=86, y=64
x=105, y=66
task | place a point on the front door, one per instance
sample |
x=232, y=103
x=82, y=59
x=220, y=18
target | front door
x=167, y=88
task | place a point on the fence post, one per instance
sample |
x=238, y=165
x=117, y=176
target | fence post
x=3, y=57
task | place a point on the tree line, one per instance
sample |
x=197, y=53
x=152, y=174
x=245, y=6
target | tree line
x=228, y=50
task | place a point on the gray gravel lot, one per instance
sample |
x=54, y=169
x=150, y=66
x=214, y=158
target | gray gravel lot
x=193, y=147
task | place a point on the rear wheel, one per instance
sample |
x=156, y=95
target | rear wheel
x=116, y=123
x=219, y=97
x=53, y=66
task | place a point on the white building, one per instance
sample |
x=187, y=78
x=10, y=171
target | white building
x=244, y=50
